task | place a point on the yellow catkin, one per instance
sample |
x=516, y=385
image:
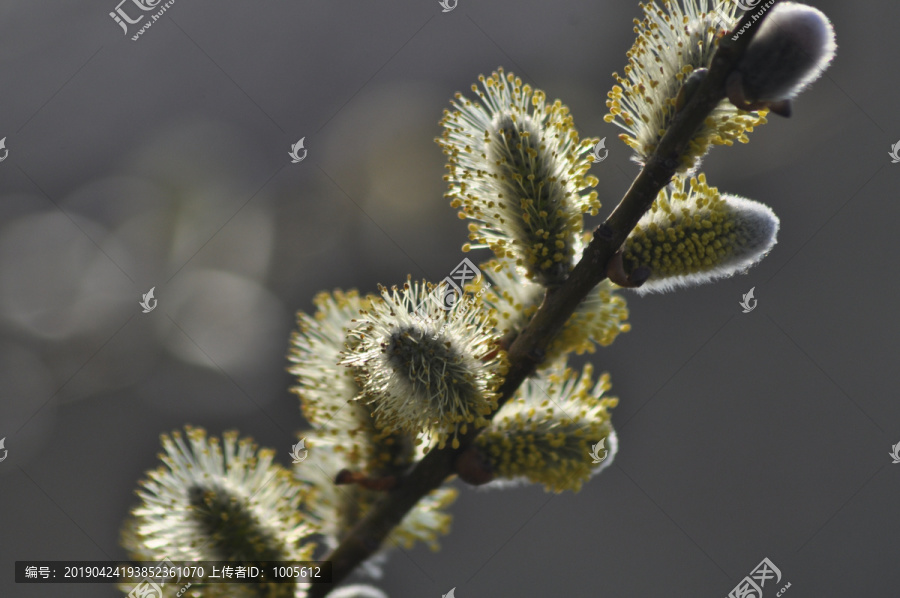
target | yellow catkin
x=693, y=234
x=672, y=42
x=548, y=441
x=523, y=185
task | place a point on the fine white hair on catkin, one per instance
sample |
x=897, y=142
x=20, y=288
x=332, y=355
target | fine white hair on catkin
x=756, y=226
x=792, y=48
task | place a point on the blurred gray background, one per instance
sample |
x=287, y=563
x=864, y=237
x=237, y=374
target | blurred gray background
x=163, y=163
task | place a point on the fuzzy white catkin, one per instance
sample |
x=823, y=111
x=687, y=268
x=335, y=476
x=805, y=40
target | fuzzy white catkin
x=758, y=230
x=792, y=48
x=694, y=235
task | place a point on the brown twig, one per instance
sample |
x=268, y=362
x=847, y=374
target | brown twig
x=381, y=484
x=526, y=351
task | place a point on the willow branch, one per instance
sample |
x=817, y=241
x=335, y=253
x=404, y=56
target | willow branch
x=527, y=350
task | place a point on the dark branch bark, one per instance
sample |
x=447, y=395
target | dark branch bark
x=526, y=352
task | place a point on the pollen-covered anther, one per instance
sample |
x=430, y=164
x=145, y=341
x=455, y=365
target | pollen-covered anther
x=674, y=47
x=692, y=235
x=323, y=386
x=523, y=185
x=597, y=320
x=424, y=368
x=219, y=500
x=545, y=433
x=339, y=496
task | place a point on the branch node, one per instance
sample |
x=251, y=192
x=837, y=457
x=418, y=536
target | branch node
x=734, y=89
x=472, y=467
x=604, y=233
x=559, y=303
x=537, y=355
x=615, y=271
